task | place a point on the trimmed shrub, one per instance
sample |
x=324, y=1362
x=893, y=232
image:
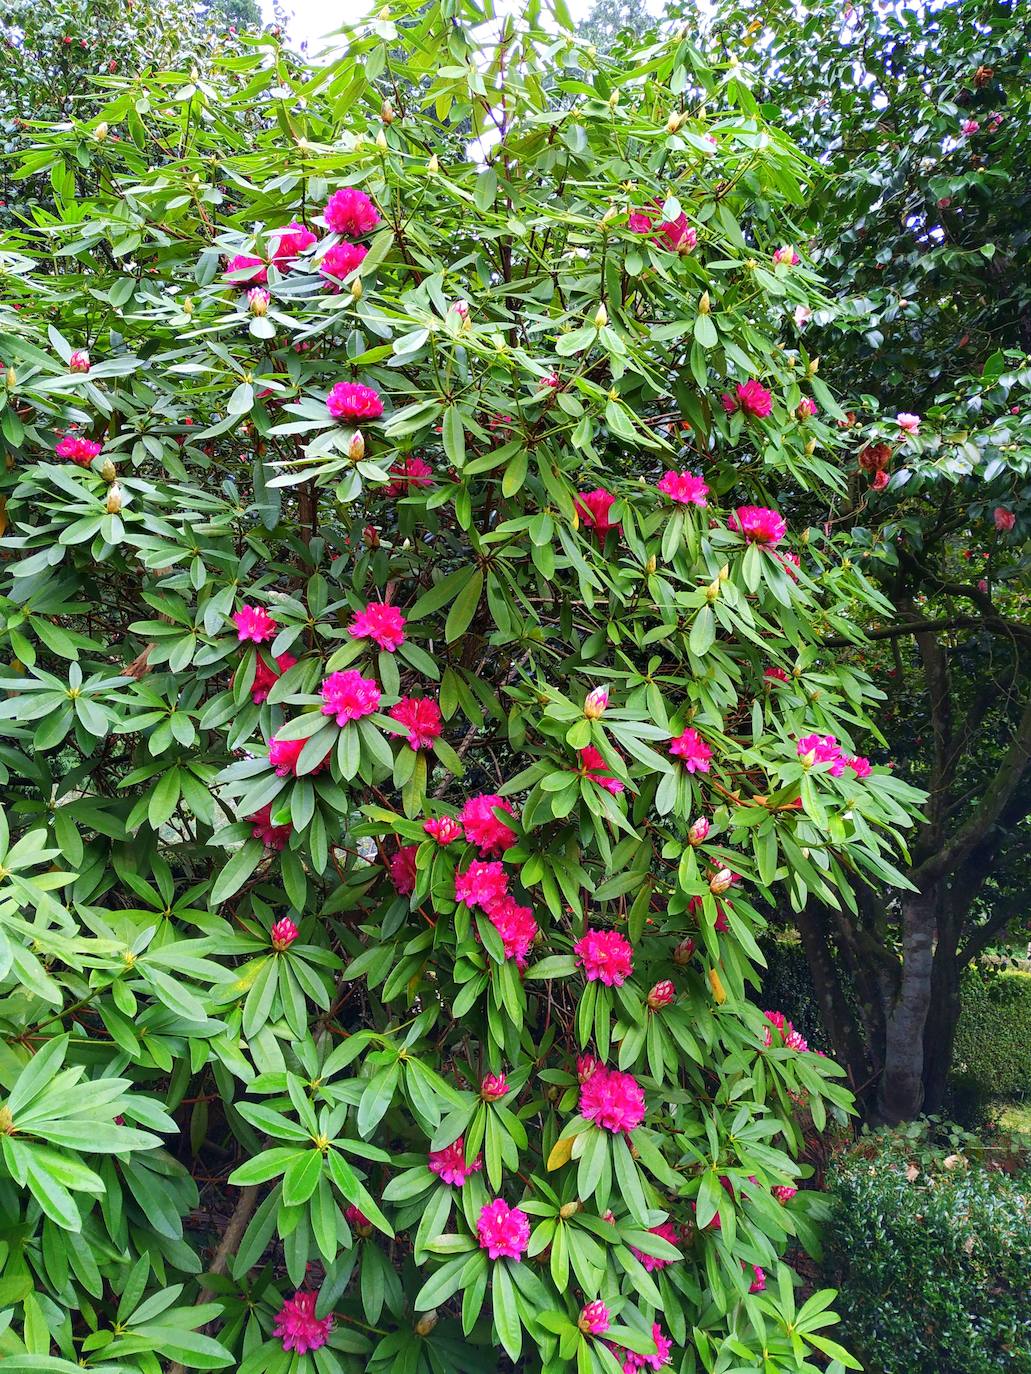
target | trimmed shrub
x=993, y=1038
x=932, y=1249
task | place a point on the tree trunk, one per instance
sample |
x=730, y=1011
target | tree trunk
x=835, y=1012
x=900, y=1095
x=943, y=1013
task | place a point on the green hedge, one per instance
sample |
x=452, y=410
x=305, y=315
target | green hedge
x=932, y=1255
x=993, y=1039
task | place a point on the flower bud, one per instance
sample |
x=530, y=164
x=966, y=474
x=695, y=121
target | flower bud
x=370, y=536
x=673, y=123
x=426, y=1323
x=461, y=309
x=810, y=447
x=661, y=995
x=724, y=572
x=493, y=1087
x=108, y=470
x=613, y=100
x=601, y=317
x=100, y=132
x=258, y=300
x=718, y=990
x=720, y=882
x=356, y=289
x=381, y=141
x=356, y=448
x=114, y=499
x=594, y=1320
x=586, y=1064
x=433, y=166
x=570, y=1209
x=684, y=952
x=11, y=378
x=698, y=833
x=386, y=112
x=609, y=214
x=651, y=565
x=595, y=703
x=704, y=305
x=813, y=368
x=712, y=591
x=79, y=361
x=283, y=934
x=187, y=306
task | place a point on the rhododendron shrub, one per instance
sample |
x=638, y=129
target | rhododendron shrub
x=395, y=783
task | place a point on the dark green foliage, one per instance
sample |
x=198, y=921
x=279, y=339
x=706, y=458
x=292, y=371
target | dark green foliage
x=787, y=986
x=933, y=1252
x=993, y=1039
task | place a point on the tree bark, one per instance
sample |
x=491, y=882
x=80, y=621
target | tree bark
x=900, y=1094
x=835, y=1012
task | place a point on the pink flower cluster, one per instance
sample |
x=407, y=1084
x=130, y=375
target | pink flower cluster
x=666, y=1231
x=287, y=245
x=758, y=524
x=605, y=956
x=350, y=212
x=632, y=1362
x=340, y=261
x=450, y=1166
x=826, y=749
x=676, y=234
x=297, y=1326
x=271, y=836
x=349, y=696
x=503, y=1231
x=266, y=676
x=612, y=1100
x=789, y=1037
x=403, y=872
x=485, y=884
x=407, y=473
x=353, y=401
x=751, y=397
x=81, y=451
x=483, y=828
x=595, y=768
x=692, y=750
x=283, y=755
x=594, y=1319
x=593, y=508
x=420, y=716
x=254, y=623
x=381, y=623
x=684, y=488
x=443, y=829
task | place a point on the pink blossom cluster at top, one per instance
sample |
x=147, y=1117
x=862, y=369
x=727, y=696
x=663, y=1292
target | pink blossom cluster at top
x=826, y=749
x=612, y=1100
x=283, y=934
x=348, y=696
x=354, y=401
x=421, y=718
x=350, y=212
x=631, y=1362
x=593, y=508
x=381, y=623
x=271, y=836
x=692, y=750
x=666, y=1231
x=605, y=956
x=758, y=524
x=407, y=473
x=503, y=1231
x=483, y=828
x=751, y=397
x=594, y=767
x=783, y=1192
x=450, y=1166
x=297, y=1326
x=684, y=488
x=789, y=1037
x=81, y=451
x=254, y=623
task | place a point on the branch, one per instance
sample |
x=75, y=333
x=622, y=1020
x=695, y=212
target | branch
x=910, y=627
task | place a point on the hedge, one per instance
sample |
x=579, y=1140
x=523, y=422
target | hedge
x=993, y=1039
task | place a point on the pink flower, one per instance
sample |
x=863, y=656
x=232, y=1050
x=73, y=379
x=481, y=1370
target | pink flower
x=982, y=584
x=605, y=956
x=381, y=623
x=786, y=257
x=789, y=1036
x=783, y=1192
x=909, y=424
x=493, y=1087
x=409, y=472
x=258, y=300
x=353, y=401
x=266, y=677
x=402, y=869
x=271, y=836
x=354, y=1216
x=758, y=524
x=595, y=703
x=595, y=768
x=777, y=674
x=652, y=1262
x=802, y=316
x=758, y=1284
x=612, y=1100
x=678, y=234
x=421, y=718
x=970, y=126
x=639, y=222
x=283, y=755
x=449, y=1163
x=824, y=749
x=632, y=1362
x=485, y=830
x=340, y=261
x=290, y=242
x=516, y=926
x=728, y=403
x=860, y=766
x=242, y=261
x=297, y=1326
x=481, y=884
x=692, y=750
x=504, y=1231
x=662, y=995
x=684, y=488
x=461, y=309
x=806, y=409
x=754, y=399
x=81, y=451
x=880, y=480
x=586, y=1064
x=443, y=829
x=284, y=932
x=594, y=1319
x=254, y=622
x=593, y=509
x=1004, y=519
x=351, y=212
x=698, y=832
x=79, y=361
x=349, y=696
